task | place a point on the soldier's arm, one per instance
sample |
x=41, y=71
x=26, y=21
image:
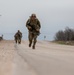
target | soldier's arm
x=21, y=34
x=38, y=23
x=28, y=24
x=15, y=35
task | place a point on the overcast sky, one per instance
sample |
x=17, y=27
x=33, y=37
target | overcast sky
x=53, y=15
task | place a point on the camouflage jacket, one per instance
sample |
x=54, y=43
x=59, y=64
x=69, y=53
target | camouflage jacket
x=18, y=35
x=34, y=24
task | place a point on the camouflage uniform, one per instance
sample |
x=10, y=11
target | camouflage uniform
x=34, y=30
x=18, y=37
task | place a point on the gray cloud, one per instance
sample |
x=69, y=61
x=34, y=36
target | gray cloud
x=53, y=14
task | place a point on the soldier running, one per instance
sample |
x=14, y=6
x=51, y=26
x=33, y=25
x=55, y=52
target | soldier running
x=18, y=37
x=33, y=26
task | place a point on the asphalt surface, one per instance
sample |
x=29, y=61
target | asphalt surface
x=47, y=59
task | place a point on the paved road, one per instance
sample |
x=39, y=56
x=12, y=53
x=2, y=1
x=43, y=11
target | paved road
x=47, y=59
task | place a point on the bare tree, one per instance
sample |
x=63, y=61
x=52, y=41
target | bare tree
x=66, y=35
x=59, y=36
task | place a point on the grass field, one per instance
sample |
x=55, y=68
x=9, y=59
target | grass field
x=65, y=42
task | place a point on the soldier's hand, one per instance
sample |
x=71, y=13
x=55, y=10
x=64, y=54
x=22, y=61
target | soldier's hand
x=29, y=28
x=37, y=29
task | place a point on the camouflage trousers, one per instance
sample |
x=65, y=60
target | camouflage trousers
x=18, y=40
x=32, y=39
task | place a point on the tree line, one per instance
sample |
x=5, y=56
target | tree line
x=66, y=35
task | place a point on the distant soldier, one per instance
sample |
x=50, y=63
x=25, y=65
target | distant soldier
x=18, y=37
x=1, y=37
x=33, y=26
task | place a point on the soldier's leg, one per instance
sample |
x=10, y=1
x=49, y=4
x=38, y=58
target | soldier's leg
x=19, y=40
x=30, y=39
x=15, y=40
x=34, y=42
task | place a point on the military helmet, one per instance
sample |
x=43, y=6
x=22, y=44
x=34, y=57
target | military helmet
x=18, y=30
x=33, y=15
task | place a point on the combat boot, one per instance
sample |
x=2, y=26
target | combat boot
x=30, y=45
x=33, y=47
